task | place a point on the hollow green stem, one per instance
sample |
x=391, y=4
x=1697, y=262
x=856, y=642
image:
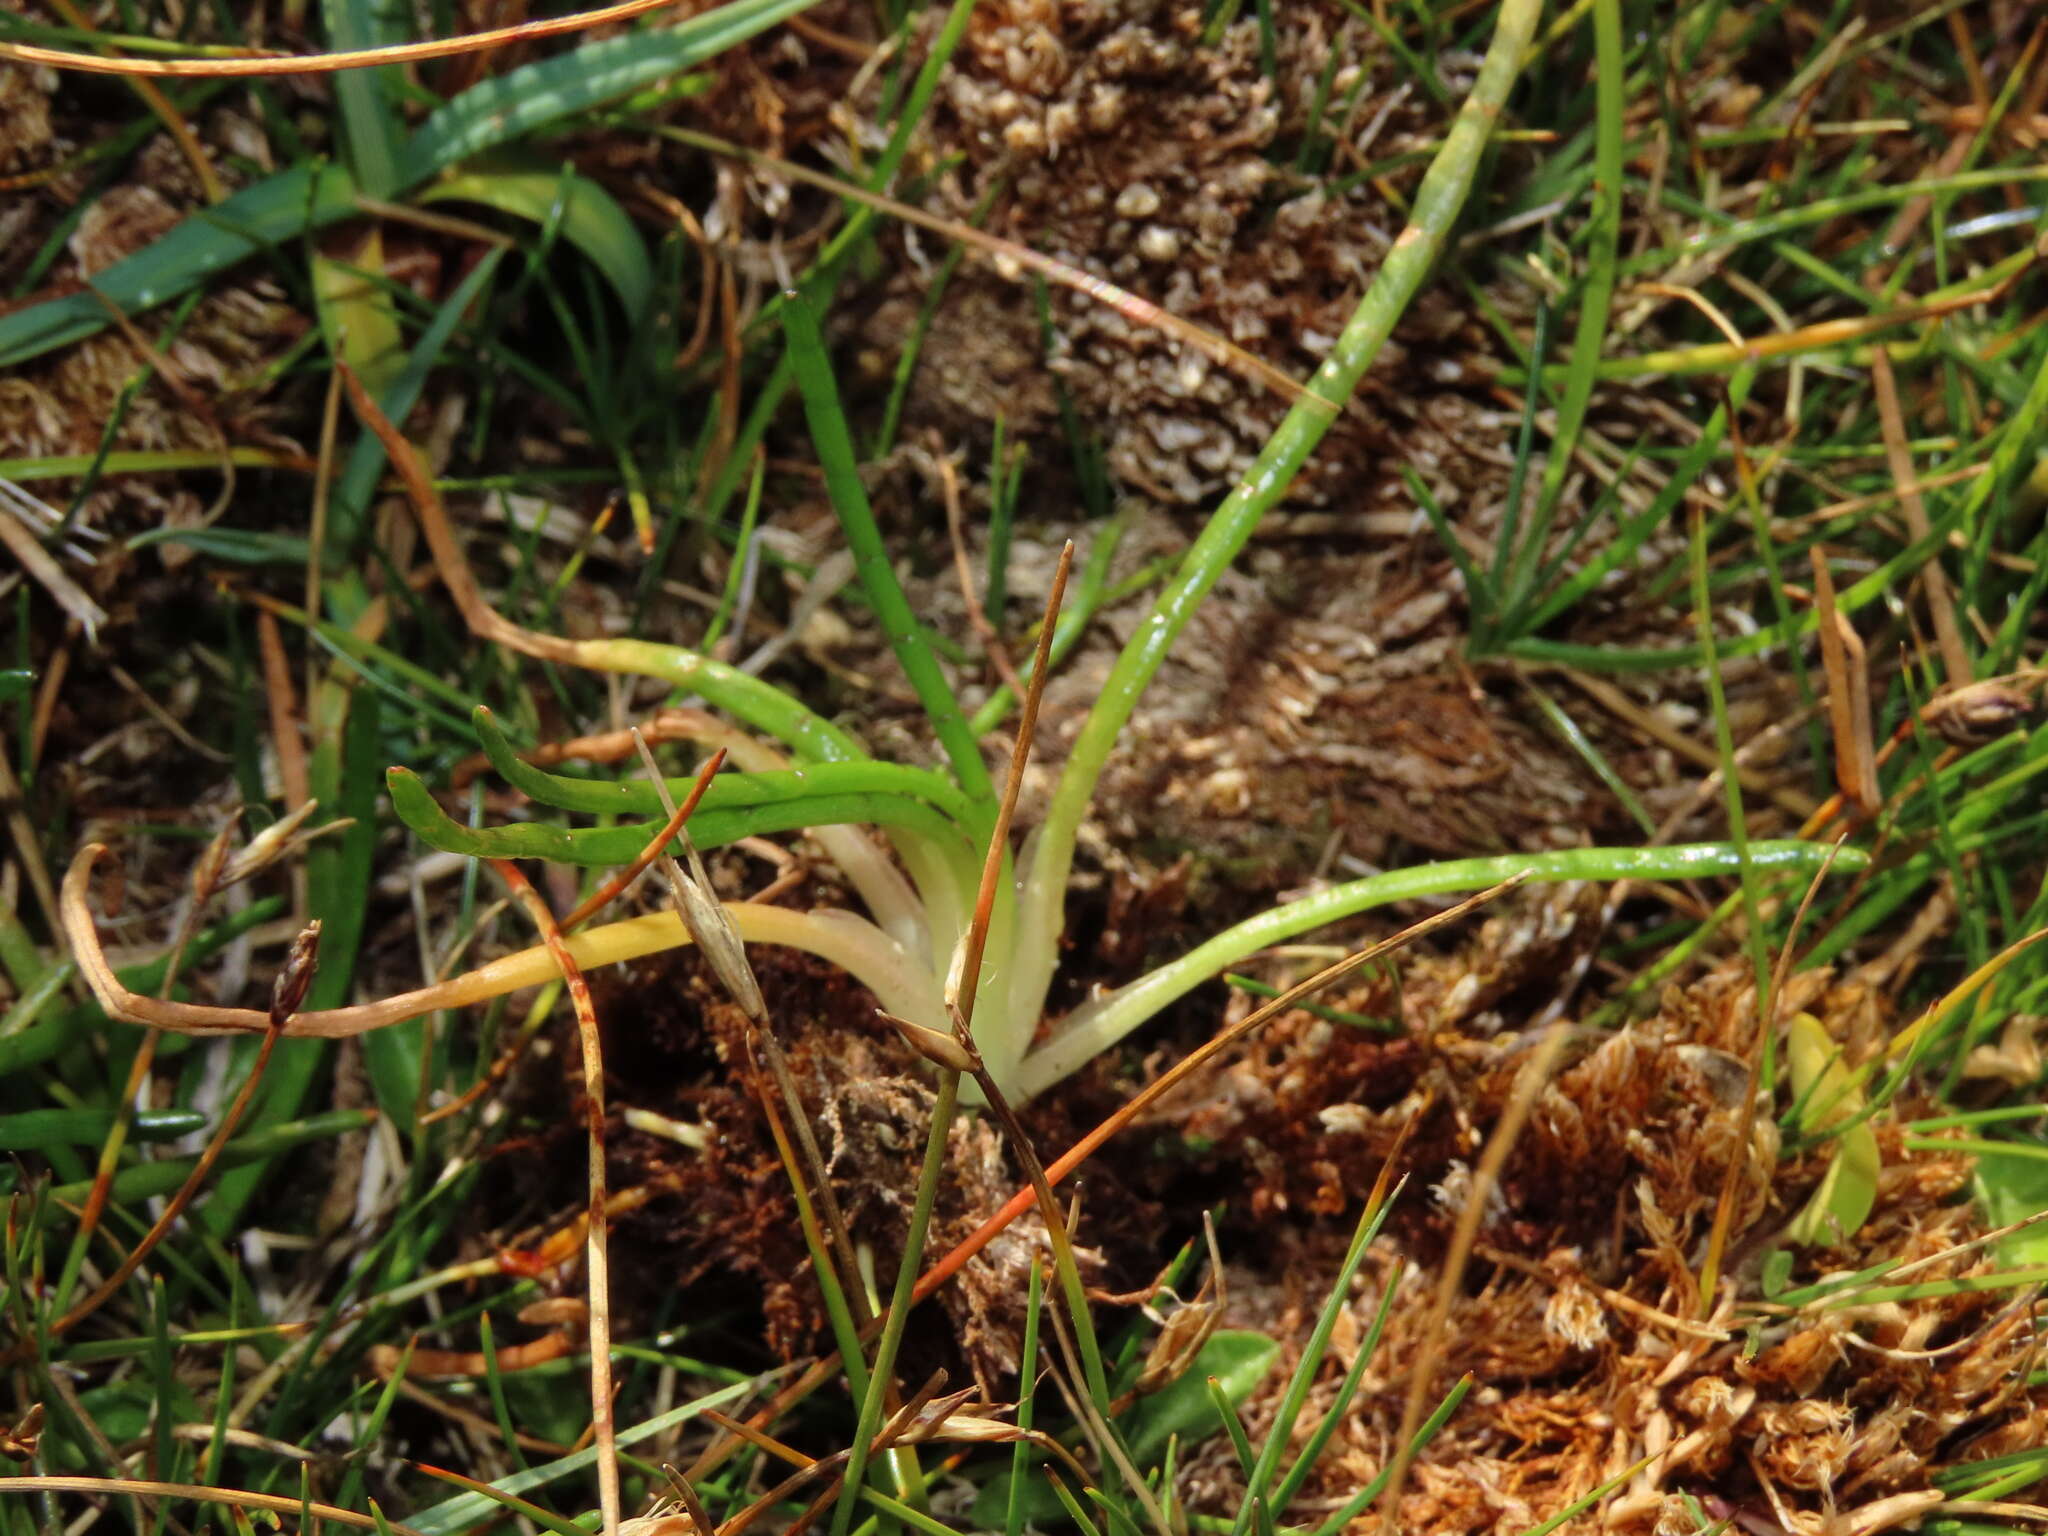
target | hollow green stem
x=746, y=698
x=417, y=808
x=729, y=791
x=1101, y=1023
x=1437, y=205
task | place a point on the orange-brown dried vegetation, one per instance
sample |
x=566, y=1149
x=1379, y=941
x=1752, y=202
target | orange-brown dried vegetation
x=1580, y=1318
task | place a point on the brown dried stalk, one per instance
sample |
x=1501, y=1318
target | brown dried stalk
x=1848, y=670
x=1955, y=657
x=598, y=1275
x=327, y=63
x=276, y=1503
x=678, y=817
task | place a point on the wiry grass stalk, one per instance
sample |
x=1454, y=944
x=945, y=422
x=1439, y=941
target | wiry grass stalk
x=1529, y=1085
x=215, y=67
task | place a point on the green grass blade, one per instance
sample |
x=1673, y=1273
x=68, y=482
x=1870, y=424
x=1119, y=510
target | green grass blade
x=883, y=1372
x=637, y=797
x=743, y=551
x=1629, y=539
x=372, y=132
x=508, y=107
x=1482, y=597
x=1731, y=779
x=1595, y=297
x=1085, y=599
x=1561, y=721
x=834, y=444
x=1511, y=509
x=1027, y=1398
x=1101, y=1022
x=1362, y=1500
x=373, y=1427
x=1260, y=1472
x=591, y=220
x=547, y=1519
x=1078, y=1515
x=1340, y=1405
x=1872, y=588
x=255, y=220
x=415, y=805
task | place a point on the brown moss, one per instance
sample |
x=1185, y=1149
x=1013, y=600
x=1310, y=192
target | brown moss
x=1579, y=1317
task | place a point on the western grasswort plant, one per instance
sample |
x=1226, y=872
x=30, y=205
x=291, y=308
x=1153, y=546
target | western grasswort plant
x=937, y=820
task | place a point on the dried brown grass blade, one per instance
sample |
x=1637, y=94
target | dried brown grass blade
x=326, y=63
x=1842, y=655
x=1948, y=637
x=276, y=1503
x=484, y=621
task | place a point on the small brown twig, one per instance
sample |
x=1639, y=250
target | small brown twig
x=623, y=878
x=1848, y=672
